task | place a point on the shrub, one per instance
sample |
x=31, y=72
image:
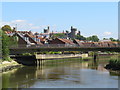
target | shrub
x=27, y=54
x=114, y=64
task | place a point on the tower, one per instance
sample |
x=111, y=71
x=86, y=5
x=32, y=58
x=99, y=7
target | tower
x=47, y=30
x=73, y=32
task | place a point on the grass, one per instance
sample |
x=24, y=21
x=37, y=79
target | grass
x=10, y=63
x=114, y=63
x=85, y=58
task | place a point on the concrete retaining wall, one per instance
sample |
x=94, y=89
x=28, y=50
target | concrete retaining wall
x=49, y=56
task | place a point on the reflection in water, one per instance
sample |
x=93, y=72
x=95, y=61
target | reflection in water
x=69, y=73
x=22, y=77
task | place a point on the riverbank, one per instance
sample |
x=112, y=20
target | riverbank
x=9, y=65
x=112, y=67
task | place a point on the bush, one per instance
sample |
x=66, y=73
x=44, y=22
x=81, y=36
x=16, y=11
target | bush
x=27, y=54
x=6, y=59
x=114, y=64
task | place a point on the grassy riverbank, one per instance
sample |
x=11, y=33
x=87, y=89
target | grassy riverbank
x=8, y=65
x=114, y=63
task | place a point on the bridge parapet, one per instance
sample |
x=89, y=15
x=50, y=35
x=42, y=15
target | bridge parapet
x=58, y=46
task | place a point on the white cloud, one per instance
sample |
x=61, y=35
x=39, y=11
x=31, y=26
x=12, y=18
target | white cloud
x=24, y=25
x=107, y=33
x=15, y=21
x=21, y=25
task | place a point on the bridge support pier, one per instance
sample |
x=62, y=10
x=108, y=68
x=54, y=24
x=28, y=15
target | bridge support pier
x=39, y=62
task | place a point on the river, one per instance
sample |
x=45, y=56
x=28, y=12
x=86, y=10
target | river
x=71, y=73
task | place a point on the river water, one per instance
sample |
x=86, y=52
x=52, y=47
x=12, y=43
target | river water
x=72, y=73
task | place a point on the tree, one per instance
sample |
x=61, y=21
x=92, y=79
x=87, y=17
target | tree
x=93, y=38
x=112, y=39
x=80, y=37
x=105, y=38
x=0, y=44
x=59, y=35
x=6, y=28
x=6, y=41
x=5, y=44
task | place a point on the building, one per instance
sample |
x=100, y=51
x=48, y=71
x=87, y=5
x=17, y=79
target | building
x=62, y=42
x=95, y=44
x=68, y=35
x=72, y=33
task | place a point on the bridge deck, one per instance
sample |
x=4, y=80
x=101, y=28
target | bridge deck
x=31, y=49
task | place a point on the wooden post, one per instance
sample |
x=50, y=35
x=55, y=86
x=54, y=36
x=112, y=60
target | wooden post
x=39, y=62
x=36, y=62
x=95, y=57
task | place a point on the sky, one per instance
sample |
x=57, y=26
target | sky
x=91, y=18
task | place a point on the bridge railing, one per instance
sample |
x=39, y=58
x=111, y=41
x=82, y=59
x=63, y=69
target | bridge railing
x=58, y=46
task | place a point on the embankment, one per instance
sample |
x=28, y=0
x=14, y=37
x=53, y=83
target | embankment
x=34, y=60
x=6, y=65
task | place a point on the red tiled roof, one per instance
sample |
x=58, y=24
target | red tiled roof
x=66, y=41
x=41, y=39
x=33, y=36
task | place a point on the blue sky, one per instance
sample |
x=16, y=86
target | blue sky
x=91, y=18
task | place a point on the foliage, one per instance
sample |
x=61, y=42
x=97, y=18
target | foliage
x=26, y=54
x=51, y=52
x=6, y=28
x=13, y=41
x=89, y=58
x=93, y=38
x=115, y=63
x=112, y=39
x=71, y=52
x=80, y=37
x=5, y=44
x=59, y=35
x=105, y=38
x=92, y=53
x=7, y=58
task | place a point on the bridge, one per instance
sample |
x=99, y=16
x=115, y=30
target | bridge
x=31, y=49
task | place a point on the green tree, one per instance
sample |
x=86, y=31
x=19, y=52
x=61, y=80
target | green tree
x=89, y=38
x=59, y=35
x=6, y=41
x=6, y=28
x=80, y=37
x=105, y=38
x=0, y=45
x=93, y=38
x=112, y=39
x=5, y=44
